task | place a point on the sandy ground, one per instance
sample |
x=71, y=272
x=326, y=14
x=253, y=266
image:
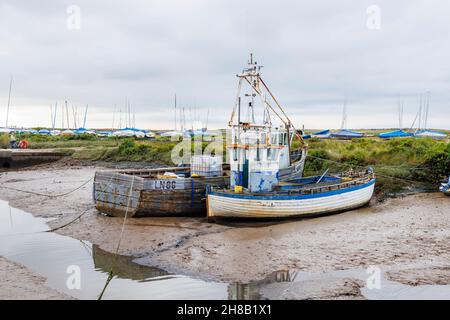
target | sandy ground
x=408, y=238
x=19, y=283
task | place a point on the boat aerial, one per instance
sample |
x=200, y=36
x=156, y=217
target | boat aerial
x=258, y=152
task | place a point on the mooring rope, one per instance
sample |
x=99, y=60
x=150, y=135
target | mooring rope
x=48, y=195
x=111, y=271
x=70, y=222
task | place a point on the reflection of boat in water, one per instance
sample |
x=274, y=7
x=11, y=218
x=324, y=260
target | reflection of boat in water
x=257, y=151
x=445, y=187
x=251, y=291
x=124, y=267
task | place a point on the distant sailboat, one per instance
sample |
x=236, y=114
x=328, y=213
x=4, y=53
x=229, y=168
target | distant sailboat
x=400, y=133
x=424, y=110
x=343, y=133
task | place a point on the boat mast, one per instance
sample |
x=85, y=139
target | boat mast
x=253, y=78
x=9, y=101
x=175, y=114
x=344, y=115
x=67, y=115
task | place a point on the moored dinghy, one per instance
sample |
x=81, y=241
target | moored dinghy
x=256, y=190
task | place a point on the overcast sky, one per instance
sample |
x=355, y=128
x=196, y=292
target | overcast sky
x=314, y=53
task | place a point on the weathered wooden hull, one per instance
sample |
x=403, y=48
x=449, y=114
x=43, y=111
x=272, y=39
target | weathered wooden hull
x=139, y=193
x=235, y=205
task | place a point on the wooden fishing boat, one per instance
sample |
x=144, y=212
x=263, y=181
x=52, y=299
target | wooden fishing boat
x=152, y=192
x=301, y=197
x=257, y=152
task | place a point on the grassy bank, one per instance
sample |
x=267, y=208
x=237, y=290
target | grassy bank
x=400, y=164
x=4, y=141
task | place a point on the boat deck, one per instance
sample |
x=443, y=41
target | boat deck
x=312, y=185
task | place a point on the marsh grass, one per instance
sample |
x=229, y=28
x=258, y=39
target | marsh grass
x=400, y=165
x=4, y=141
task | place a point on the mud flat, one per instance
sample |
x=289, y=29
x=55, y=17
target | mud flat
x=407, y=238
x=19, y=283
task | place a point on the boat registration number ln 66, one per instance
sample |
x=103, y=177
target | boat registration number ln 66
x=165, y=184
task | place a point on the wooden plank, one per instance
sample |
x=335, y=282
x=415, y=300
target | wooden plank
x=117, y=199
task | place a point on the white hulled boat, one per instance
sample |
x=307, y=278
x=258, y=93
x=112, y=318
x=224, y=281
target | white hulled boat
x=260, y=154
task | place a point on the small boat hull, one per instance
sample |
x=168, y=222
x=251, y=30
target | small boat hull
x=236, y=205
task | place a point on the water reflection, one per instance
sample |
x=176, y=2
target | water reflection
x=124, y=267
x=48, y=254
x=251, y=291
x=22, y=240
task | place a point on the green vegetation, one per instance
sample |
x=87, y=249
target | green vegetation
x=399, y=164
x=4, y=141
x=129, y=150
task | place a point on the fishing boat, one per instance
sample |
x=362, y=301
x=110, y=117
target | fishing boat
x=257, y=152
x=154, y=192
x=445, y=187
x=176, y=191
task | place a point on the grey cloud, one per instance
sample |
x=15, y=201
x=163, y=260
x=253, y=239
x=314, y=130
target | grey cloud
x=314, y=54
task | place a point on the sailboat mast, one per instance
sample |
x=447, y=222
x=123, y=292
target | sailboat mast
x=427, y=110
x=62, y=117
x=51, y=114
x=344, y=115
x=9, y=101
x=85, y=114
x=420, y=112
x=54, y=115
x=175, y=114
x=114, y=118
x=67, y=115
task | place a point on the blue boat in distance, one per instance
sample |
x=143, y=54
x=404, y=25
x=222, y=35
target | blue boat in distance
x=395, y=134
x=325, y=134
x=430, y=134
x=346, y=134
